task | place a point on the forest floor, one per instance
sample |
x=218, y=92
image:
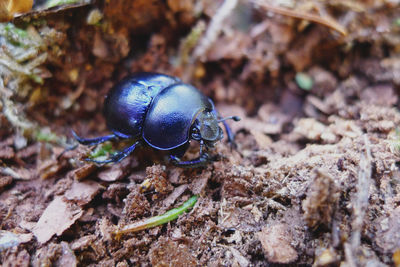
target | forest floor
x=313, y=180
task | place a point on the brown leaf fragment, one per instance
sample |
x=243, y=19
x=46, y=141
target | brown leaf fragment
x=115, y=172
x=168, y=201
x=48, y=168
x=6, y=152
x=18, y=174
x=276, y=242
x=56, y=218
x=199, y=184
x=28, y=151
x=175, y=175
x=27, y=225
x=116, y=192
x=7, y=142
x=25, y=238
x=82, y=192
x=138, y=176
x=82, y=172
x=83, y=243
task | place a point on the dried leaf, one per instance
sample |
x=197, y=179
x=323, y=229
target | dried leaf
x=82, y=192
x=56, y=218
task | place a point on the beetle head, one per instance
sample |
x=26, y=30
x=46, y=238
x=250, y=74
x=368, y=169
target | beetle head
x=206, y=128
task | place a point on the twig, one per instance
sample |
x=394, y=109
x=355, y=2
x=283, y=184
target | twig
x=326, y=21
x=360, y=203
x=214, y=28
x=348, y=252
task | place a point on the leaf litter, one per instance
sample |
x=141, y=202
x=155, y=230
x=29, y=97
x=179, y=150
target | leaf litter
x=314, y=178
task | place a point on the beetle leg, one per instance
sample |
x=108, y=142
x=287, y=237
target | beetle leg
x=201, y=161
x=201, y=146
x=117, y=157
x=228, y=130
x=230, y=134
x=94, y=141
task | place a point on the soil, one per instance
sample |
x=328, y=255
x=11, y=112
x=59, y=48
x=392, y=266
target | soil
x=313, y=178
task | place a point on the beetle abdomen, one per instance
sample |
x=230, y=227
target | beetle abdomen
x=126, y=105
x=125, y=108
x=171, y=114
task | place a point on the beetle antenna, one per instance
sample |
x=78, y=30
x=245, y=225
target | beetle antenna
x=235, y=118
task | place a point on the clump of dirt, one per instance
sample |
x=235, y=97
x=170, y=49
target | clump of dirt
x=313, y=175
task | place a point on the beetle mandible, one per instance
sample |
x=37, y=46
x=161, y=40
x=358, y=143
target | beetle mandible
x=164, y=113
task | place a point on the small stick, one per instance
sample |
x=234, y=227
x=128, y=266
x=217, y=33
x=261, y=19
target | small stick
x=326, y=21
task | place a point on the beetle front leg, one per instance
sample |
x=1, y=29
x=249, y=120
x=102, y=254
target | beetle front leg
x=194, y=163
x=93, y=141
x=201, y=161
x=230, y=134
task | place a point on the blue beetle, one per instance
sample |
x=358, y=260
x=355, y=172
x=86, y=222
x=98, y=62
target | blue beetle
x=164, y=113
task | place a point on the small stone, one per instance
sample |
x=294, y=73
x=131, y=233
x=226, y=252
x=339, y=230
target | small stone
x=275, y=241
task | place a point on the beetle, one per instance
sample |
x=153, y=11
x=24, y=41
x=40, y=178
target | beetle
x=163, y=112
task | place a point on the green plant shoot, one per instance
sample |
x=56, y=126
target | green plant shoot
x=157, y=220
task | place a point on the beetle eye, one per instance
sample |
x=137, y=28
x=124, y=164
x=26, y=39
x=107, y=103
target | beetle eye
x=196, y=133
